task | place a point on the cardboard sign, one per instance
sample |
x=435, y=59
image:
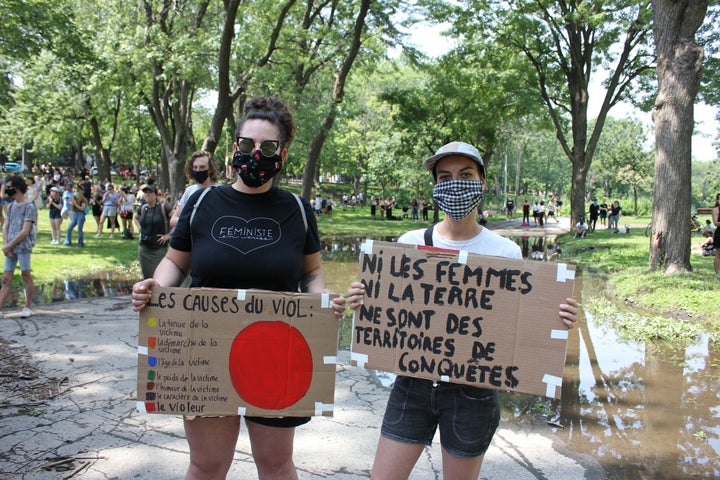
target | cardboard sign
x=459, y=317
x=237, y=352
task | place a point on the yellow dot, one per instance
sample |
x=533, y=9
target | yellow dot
x=152, y=322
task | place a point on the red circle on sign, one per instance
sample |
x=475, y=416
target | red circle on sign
x=270, y=365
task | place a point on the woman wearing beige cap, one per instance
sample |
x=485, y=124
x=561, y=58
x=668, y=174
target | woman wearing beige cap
x=466, y=416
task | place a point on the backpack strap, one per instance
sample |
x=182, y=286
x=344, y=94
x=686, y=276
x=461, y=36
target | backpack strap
x=199, y=201
x=302, y=211
x=429, y=234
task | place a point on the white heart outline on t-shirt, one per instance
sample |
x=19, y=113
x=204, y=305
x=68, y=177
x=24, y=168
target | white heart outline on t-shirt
x=274, y=226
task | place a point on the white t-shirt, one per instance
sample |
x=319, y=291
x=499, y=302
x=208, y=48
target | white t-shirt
x=187, y=194
x=486, y=242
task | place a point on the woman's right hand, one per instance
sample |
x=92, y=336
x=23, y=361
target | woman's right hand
x=141, y=293
x=355, y=295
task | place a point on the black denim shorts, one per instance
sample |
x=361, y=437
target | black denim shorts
x=467, y=416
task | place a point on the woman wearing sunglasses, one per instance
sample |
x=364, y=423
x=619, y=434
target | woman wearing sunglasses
x=272, y=246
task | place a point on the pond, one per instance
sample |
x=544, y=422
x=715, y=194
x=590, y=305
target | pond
x=644, y=410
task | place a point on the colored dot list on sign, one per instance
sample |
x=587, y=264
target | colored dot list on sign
x=151, y=396
x=270, y=365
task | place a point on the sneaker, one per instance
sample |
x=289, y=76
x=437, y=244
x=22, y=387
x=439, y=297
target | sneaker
x=26, y=313
x=112, y=235
x=98, y=235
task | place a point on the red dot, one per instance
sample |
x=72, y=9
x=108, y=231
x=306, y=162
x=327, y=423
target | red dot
x=270, y=365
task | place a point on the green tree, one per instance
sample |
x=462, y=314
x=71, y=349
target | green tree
x=679, y=66
x=622, y=162
x=564, y=43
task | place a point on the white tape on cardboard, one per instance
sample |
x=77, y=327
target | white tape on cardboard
x=563, y=273
x=323, y=407
x=241, y=294
x=462, y=257
x=552, y=382
x=359, y=358
x=559, y=334
x=366, y=247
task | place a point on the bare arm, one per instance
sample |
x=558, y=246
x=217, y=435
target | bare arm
x=313, y=281
x=175, y=215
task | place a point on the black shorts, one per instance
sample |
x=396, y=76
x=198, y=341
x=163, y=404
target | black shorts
x=283, y=422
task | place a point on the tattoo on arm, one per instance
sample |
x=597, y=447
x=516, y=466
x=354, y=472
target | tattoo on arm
x=306, y=281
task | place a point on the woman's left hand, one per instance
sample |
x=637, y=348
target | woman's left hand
x=356, y=295
x=354, y=299
x=338, y=305
x=568, y=312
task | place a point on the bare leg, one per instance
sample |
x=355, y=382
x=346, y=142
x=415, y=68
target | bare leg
x=272, y=450
x=461, y=468
x=6, y=287
x=29, y=287
x=212, y=446
x=395, y=460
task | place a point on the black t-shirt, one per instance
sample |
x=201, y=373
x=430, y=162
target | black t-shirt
x=242, y=240
x=594, y=210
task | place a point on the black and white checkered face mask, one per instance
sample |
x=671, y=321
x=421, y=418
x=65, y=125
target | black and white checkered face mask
x=458, y=198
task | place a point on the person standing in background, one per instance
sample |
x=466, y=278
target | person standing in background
x=594, y=214
x=20, y=233
x=603, y=212
x=111, y=200
x=127, y=208
x=716, y=235
x=203, y=169
x=67, y=195
x=33, y=192
x=78, y=204
x=54, y=203
x=153, y=222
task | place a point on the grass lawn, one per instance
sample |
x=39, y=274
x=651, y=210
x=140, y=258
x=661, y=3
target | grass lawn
x=52, y=263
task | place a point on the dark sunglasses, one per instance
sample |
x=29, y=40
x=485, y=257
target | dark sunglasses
x=247, y=145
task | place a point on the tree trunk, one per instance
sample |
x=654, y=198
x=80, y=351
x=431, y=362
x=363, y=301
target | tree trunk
x=679, y=62
x=312, y=165
x=223, y=108
x=577, y=190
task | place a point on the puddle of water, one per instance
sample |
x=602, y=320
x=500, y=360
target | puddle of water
x=644, y=410
x=107, y=284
